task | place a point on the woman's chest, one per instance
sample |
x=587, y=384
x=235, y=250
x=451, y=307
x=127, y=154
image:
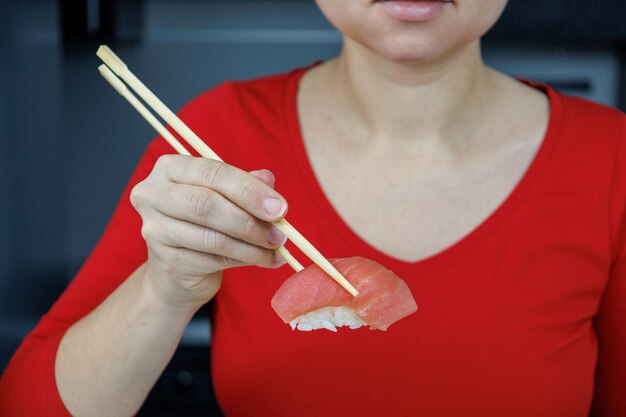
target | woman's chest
x=413, y=201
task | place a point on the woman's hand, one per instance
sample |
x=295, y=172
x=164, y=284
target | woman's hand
x=201, y=217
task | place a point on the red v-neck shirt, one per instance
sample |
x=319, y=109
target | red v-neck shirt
x=524, y=316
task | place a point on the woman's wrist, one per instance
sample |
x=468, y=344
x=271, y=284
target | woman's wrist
x=160, y=298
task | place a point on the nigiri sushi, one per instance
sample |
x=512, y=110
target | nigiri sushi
x=310, y=300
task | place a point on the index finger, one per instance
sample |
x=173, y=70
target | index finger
x=239, y=186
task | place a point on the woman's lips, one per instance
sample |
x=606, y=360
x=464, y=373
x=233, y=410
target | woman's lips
x=413, y=11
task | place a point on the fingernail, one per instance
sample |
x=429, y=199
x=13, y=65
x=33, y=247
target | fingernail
x=276, y=237
x=279, y=260
x=274, y=206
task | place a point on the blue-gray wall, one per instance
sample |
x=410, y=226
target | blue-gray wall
x=33, y=179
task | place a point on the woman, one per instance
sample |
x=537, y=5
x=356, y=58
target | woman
x=501, y=203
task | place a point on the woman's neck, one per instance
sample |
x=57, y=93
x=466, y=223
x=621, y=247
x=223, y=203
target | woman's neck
x=391, y=100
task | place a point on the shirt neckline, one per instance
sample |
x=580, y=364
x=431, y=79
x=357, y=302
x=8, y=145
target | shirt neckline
x=446, y=255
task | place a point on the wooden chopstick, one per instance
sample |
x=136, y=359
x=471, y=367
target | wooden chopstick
x=121, y=88
x=119, y=67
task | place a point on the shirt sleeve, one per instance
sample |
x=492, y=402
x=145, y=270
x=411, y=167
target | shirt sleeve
x=28, y=386
x=610, y=323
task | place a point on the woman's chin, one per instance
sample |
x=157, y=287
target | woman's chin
x=416, y=56
x=409, y=51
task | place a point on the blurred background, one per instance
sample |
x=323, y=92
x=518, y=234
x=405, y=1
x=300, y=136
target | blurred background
x=68, y=142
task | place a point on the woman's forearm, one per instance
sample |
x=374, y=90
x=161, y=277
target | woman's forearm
x=199, y=217
x=107, y=362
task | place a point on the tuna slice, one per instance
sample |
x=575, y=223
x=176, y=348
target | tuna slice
x=311, y=300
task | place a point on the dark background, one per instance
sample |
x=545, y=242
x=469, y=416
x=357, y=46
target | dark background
x=68, y=143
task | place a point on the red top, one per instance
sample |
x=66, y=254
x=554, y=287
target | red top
x=513, y=319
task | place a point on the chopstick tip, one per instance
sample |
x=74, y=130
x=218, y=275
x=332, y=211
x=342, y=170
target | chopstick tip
x=115, y=82
x=111, y=59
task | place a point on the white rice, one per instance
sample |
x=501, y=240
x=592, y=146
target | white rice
x=327, y=318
